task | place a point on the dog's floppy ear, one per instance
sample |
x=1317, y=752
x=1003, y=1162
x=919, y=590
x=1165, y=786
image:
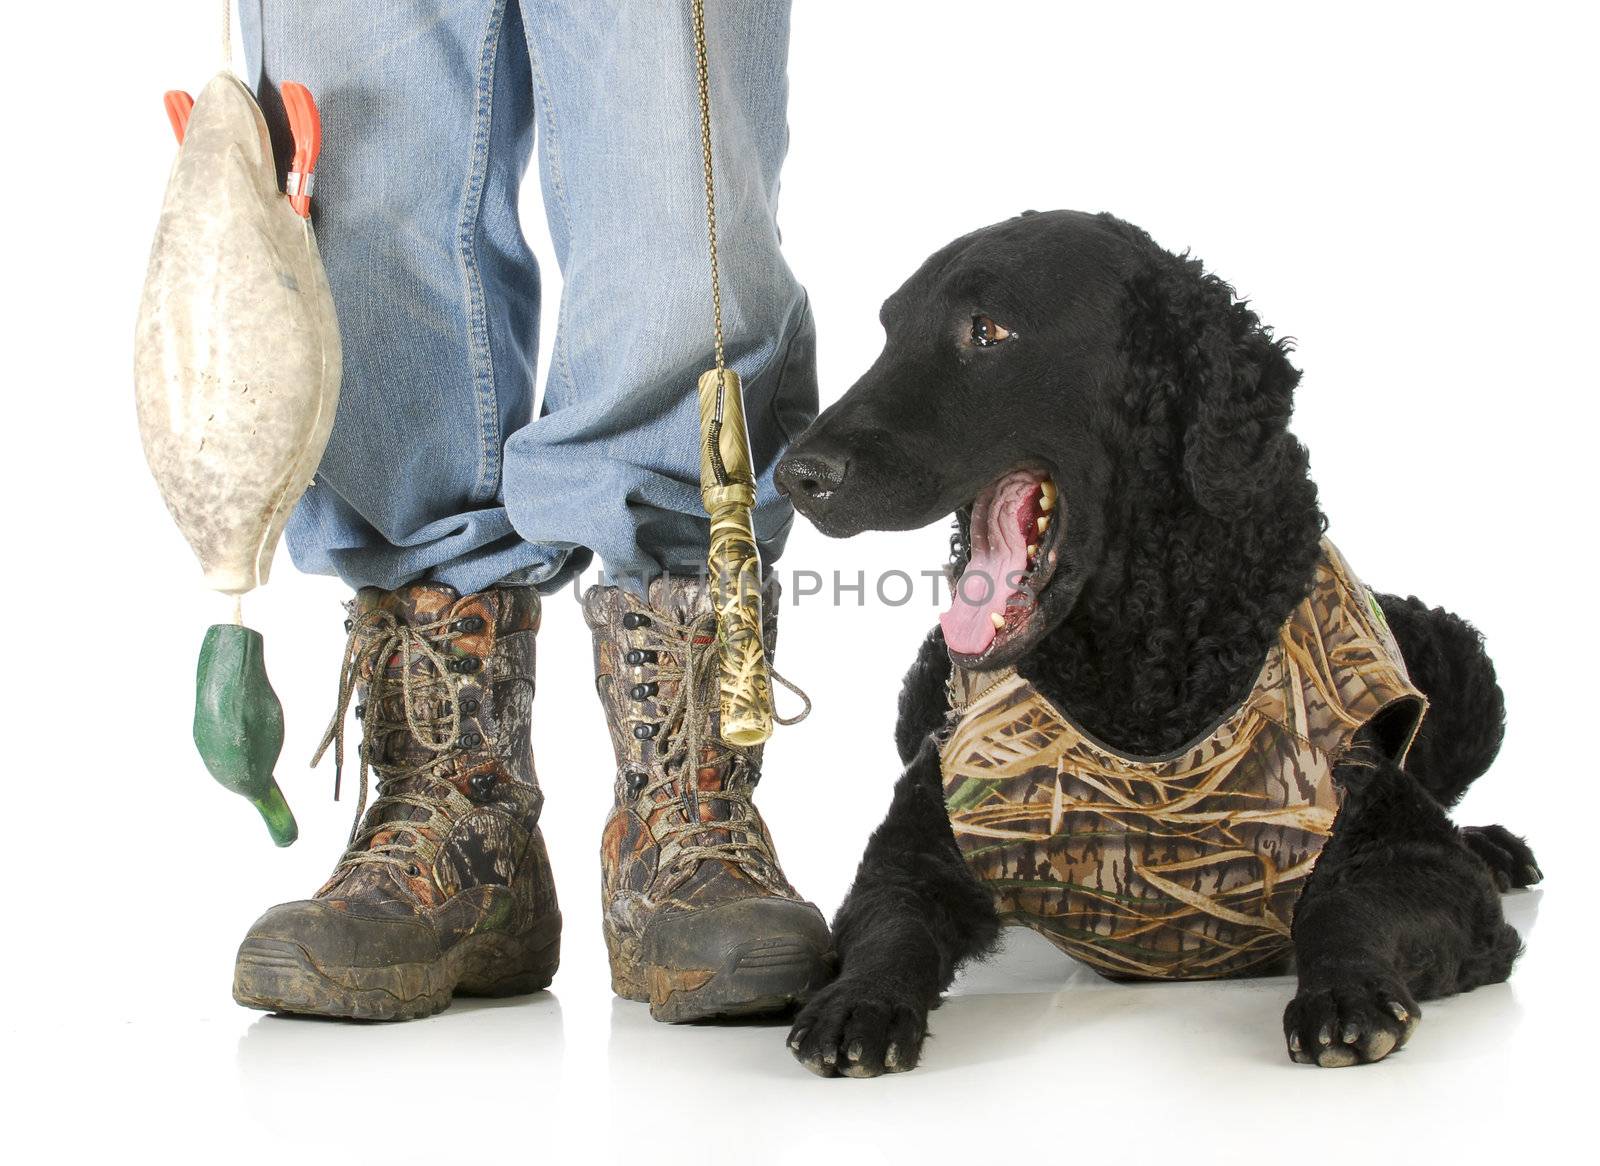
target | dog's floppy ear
x=1205, y=361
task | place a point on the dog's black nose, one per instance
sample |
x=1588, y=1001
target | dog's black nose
x=812, y=477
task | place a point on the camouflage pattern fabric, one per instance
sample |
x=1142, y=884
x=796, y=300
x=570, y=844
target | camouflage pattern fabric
x=1186, y=866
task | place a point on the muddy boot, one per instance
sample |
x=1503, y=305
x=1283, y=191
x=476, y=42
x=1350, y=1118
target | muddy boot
x=446, y=886
x=699, y=919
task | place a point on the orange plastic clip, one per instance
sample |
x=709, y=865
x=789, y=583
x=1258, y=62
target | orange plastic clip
x=178, y=105
x=305, y=123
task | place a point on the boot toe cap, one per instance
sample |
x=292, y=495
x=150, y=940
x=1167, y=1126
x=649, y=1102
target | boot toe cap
x=312, y=959
x=741, y=957
x=335, y=937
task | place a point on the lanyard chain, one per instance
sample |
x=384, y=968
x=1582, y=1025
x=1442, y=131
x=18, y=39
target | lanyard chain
x=703, y=72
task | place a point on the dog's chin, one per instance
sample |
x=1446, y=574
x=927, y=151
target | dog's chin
x=1009, y=593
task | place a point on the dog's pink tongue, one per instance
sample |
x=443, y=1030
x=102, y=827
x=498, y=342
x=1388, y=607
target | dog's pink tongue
x=999, y=557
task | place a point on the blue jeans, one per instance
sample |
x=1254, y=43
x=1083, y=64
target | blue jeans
x=431, y=109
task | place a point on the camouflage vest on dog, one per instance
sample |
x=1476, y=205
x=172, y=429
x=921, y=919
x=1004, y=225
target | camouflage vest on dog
x=1186, y=866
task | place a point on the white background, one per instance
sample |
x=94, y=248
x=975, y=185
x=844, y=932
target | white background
x=1408, y=192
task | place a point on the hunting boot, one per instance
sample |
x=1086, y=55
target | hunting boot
x=445, y=886
x=699, y=918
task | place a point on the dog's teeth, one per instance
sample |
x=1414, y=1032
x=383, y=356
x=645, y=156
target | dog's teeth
x=1044, y=523
x=997, y=619
x=1047, y=498
x=1033, y=549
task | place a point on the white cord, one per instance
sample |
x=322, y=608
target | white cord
x=227, y=36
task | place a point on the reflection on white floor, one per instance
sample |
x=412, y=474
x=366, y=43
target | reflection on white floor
x=1028, y=1046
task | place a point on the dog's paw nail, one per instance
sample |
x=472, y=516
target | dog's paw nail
x=1399, y=1011
x=854, y=1052
x=794, y=1040
x=1325, y=1035
x=891, y=1059
x=1294, y=1042
x=1350, y=1035
x=1532, y=874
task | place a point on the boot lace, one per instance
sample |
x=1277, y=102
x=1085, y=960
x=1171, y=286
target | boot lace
x=430, y=714
x=685, y=837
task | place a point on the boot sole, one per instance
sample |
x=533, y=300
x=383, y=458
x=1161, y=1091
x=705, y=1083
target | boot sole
x=279, y=975
x=759, y=978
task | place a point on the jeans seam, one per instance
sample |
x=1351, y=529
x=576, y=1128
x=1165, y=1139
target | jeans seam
x=479, y=350
x=546, y=104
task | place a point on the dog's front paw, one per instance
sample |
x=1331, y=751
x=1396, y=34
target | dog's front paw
x=1356, y=1021
x=857, y=1028
x=1509, y=858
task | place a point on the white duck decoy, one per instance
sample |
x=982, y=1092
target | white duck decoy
x=236, y=374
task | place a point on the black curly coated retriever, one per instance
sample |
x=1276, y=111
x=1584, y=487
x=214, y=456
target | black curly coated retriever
x=1070, y=353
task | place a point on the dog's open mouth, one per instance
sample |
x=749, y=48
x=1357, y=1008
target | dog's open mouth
x=1015, y=533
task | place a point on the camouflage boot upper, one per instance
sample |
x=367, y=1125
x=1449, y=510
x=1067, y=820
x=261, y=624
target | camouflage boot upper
x=445, y=885
x=699, y=918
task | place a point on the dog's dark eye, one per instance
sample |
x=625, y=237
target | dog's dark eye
x=986, y=332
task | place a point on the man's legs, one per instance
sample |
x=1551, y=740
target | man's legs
x=699, y=917
x=445, y=885
x=428, y=118
x=431, y=112
x=613, y=462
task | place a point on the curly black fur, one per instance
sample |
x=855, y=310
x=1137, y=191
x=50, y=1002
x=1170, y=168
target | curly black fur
x=1211, y=522
x=1459, y=736
x=1160, y=405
